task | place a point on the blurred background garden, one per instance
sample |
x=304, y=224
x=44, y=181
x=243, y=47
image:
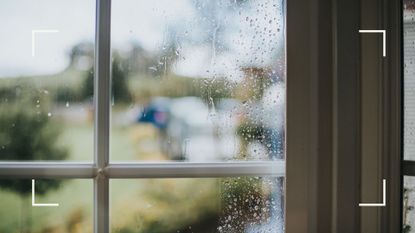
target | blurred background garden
x=193, y=80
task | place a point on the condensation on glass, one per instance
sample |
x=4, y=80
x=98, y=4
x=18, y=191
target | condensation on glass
x=46, y=59
x=240, y=204
x=198, y=80
x=73, y=215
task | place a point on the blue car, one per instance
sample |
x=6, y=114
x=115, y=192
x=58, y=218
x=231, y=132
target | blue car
x=156, y=113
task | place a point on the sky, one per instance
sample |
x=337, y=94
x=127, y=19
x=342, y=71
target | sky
x=146, y=22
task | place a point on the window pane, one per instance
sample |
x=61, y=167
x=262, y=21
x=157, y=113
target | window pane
x=241, y=204
x=45, y=71
x=409, y=79
x=73, y=215
x=198, y=80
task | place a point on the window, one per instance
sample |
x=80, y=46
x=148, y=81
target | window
x=188, y=133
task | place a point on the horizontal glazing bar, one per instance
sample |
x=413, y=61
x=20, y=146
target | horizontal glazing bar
x=141, y=170
x=189, y=170
x=47, y=170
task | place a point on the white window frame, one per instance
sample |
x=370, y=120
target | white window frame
x=101, y=170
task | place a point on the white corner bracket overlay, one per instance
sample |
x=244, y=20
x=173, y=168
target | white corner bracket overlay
x=34, y=37
x=40, y=204
x=383, y=204
x=383, y=37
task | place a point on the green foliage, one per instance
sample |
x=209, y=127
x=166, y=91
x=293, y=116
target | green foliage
x=406, y=228
x=249, y=131
x=173, y=86
x=66, y=94
x=26, y=133
x=188, y=203
x=23, y=187
x=87, y=88
x=215, y=89
x=242, y=197
x=119, y=83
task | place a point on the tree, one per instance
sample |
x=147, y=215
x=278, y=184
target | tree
x=87, y=89
x=26, y=133
x=119, y=84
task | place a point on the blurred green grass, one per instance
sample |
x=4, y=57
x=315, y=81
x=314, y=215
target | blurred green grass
x=189, y=201
x=74, y=196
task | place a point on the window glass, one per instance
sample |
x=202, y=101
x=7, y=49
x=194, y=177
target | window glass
x=198, y=80
x=409, y=79
x=240, y=204
x=46, y=63
x=73, y=215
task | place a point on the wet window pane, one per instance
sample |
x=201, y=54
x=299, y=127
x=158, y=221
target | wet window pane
x=241, y=204
x=198, y=80
x=409, y=79
x=73, y=215
x=45, y=67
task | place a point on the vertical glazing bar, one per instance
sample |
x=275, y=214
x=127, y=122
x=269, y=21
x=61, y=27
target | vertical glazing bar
x=101, y=205
x=102, y=95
